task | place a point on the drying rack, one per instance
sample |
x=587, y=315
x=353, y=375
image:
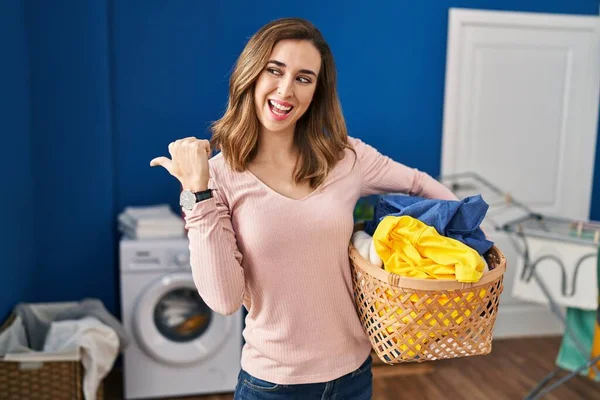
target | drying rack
x=508, y=215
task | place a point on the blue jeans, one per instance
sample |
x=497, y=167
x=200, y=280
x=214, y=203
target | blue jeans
x=357, y=385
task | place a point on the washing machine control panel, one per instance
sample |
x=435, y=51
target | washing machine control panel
x=154, y=256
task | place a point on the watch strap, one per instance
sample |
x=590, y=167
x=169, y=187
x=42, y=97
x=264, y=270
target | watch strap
x=203, y=195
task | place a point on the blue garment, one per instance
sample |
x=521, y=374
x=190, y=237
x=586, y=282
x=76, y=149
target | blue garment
x=357, y=385
x=457, y=219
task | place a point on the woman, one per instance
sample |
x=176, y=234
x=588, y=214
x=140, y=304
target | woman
x=271, y=215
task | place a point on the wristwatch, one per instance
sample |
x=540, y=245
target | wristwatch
x=188, y=199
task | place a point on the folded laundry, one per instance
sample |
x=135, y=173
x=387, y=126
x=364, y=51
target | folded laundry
x=151, y=222
x=457, y=219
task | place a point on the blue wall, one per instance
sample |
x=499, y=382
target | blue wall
x=171, y=66
x=17, y=268
x=73, y=149
x=169, y=83
x=113, y=82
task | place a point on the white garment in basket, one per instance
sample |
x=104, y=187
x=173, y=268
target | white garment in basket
x=99, y=346
x=363, y=242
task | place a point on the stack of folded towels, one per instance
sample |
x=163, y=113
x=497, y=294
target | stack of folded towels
x=151, y=222
x=427, y=238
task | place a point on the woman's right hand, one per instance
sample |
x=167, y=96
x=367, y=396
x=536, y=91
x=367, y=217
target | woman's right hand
x=188, y=163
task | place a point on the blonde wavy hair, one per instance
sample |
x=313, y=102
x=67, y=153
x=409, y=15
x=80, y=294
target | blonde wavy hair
x=321, y=135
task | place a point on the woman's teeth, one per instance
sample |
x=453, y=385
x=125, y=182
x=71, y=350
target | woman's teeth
x=279, y=109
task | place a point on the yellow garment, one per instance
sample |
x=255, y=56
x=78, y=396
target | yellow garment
x=408, y=247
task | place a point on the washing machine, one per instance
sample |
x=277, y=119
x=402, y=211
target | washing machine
x=179, y=345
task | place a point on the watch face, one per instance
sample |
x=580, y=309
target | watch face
x=187, y=200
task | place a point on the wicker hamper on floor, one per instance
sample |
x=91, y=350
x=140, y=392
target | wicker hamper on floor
x=47, y=380
x=415, y=320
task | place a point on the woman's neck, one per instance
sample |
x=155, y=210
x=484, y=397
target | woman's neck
x=277, y=147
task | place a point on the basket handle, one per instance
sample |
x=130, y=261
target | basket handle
x=394, y=279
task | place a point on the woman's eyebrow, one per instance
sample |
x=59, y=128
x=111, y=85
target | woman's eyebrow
x=280, y=64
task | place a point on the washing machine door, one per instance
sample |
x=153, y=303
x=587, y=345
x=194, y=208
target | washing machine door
x=172, y=323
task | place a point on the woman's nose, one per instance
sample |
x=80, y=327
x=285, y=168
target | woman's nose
x=285, y=88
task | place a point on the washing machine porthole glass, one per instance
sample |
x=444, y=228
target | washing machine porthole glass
x=181, y=315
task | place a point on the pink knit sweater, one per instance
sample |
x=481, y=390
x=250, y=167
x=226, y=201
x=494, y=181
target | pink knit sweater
x=287, y=262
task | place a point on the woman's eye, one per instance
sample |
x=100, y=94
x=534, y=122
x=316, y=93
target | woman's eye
x=274, y=71
x=304, y=79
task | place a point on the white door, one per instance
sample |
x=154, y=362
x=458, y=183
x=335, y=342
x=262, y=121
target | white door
x=521, y=110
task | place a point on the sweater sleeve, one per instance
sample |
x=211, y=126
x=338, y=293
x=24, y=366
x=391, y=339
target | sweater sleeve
x=214, y=256
x=381, y=174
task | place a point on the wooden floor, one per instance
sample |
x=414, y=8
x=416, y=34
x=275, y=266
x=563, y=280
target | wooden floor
x=513, y=368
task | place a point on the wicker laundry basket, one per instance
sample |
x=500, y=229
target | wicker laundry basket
x=47, y=380
x=415, y=320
